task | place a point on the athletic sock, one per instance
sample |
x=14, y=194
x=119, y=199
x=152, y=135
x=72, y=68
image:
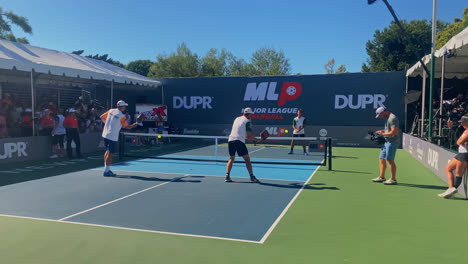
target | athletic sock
x=252, y=176
x=228, y=175
x=106, y=168
x=458, y=181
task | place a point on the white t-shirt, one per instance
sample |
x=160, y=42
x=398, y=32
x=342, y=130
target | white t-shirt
x=60, y=130
x=299, y=123
x=239, y=129
x=463, y=147
x=115, y=120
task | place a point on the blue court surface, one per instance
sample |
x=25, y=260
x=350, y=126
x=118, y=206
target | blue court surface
x=166, y=196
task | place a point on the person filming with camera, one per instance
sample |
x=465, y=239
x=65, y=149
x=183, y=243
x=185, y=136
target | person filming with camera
x=392, y=141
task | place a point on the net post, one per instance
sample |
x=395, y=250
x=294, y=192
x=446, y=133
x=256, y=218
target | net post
x=216, y=148
x=121, y=145
x=325, y=153
x=330, y=153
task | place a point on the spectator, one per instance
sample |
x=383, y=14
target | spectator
x=46, y=123
x=27, y=123
x=58, y=134
x=73, y=133
x=3, y=120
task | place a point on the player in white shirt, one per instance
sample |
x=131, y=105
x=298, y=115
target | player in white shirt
x=299, y=124
x=113, y=120
x=459, y=163
x=241, y=130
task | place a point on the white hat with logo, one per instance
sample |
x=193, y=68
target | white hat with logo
x=71, y=110
x=121, y=103
x=379, y=111
x=248, y=110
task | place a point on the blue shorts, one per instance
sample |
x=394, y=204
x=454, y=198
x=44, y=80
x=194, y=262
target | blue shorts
x=388, y=151
x=111, y=146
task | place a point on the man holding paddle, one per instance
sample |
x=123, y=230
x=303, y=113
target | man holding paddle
x=241, y=130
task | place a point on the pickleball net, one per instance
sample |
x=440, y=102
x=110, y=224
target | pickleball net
x=273, y=150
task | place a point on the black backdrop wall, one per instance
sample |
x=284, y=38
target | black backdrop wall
x=340, y=105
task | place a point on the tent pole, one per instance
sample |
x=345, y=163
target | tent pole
x=406, y=108
x=32, y=103
x=421, y=131
x=112, y=93
x=431, y=85
x=441, y=110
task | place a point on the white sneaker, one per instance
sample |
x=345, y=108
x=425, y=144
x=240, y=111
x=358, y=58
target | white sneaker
x=306, y=154
x=449, y=193
x=390, y=182
x=54, y=156
x=378, y=179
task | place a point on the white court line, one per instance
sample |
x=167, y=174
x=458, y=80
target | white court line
x=132, y=229
x=272, y=227
x=116, y=200
x=185, y=174
x=257, y=150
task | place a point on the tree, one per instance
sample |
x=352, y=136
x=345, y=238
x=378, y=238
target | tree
x=7, y=19
x=341, y=69
x=389, y=50
x=139, y=66
x=104, y=57
x=215, y=63
x=182, y=63
x=451, y=30
x=268, y=61
x=330, y=68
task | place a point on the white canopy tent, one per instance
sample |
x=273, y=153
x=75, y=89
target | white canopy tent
x=27, y=58
x=455, y=52
x=451, y=61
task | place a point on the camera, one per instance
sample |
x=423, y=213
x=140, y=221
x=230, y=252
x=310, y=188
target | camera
x=377, y=139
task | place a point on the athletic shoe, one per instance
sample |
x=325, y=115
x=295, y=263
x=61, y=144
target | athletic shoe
x=290, y=152
x=109, y=174
x=306, y=154
x=390, y=182
x=254, y=180
x=228, y=179
x=449, y=193
x=54, y=156
x=379, y=179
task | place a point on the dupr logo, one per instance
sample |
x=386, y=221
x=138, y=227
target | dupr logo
x=11, y=148
x=267, y=91
x=433, y=158
x=360, y=101
x=192, y=102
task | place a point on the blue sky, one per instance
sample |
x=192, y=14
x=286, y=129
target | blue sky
x=309, y=32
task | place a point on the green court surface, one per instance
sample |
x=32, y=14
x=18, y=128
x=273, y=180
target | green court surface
x=340, y=217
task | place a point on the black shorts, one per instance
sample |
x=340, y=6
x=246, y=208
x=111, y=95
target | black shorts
x=462, y=157
x=298, y=135
x=111, y=146
x=58, y=139
x=239, y=147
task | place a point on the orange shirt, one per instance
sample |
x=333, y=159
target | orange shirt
x=70, y=122
x=26, y=121
x=47, y=121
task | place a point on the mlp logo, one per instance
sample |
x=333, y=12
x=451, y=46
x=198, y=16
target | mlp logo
x=267, y=91
x=278, y=131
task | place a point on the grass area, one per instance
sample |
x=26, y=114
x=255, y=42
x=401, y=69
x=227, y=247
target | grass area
x=340, y=217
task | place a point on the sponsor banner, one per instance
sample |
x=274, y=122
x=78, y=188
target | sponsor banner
x=36, y=148
x=154, y=113
x=327, y=100
x=431, y=156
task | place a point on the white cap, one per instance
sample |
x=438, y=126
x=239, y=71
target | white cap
x=248, y=110
x=28, y=110
x=71, y=110
x=121, y=103
x=46, y=110
x=379, y=111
